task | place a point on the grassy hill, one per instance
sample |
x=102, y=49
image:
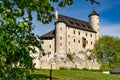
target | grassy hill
x=41, y=74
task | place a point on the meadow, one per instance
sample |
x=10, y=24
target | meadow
x=64, y=74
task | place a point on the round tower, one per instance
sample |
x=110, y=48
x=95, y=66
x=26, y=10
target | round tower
x=94, y=22
x=61, y=37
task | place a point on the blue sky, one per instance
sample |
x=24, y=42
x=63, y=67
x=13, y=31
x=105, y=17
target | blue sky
x=109, y=11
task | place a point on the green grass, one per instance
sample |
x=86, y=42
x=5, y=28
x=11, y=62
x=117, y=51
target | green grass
x=41, y=74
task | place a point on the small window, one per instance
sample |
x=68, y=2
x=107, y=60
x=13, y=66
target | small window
x=90, y=35
x=60, y=38
x=88, y=26
x=60, y=44
x=78, y=41
x=49, y=46
x=83, y=25
x=91, y=43
x=77, y=24
x=49, y=53
x=60, y=28
x=69, y=42
x=42, y=42
x=74, y=32
x=69, y=36
x=79, y=33
x=74, y=40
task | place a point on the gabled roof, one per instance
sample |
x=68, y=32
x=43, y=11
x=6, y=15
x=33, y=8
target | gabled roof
x=70, y=22
x=75, y=23
x=50, y=34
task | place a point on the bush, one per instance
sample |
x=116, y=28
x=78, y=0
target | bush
x=70, y=57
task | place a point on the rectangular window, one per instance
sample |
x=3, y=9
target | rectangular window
x=60, y=38
x=69, y=36
x=74, y=32
x=60, y=44
x=90, y=35
x=60, y=29
x=79, y=33
x=78, y=41
x=69, y=42
x=91, y=43
x=49, y=46
x=74, y=40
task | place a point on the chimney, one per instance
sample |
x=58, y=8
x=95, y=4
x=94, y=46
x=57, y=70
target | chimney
x=56, y=14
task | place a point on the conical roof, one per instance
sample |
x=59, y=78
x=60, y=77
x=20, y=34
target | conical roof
x=93, y=13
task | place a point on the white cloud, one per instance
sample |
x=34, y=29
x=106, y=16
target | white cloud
x=112, y=30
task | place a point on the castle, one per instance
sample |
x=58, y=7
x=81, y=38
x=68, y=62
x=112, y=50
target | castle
x=71, y=38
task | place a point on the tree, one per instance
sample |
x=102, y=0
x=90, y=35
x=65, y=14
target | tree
x=16, y=35
x=107, y=50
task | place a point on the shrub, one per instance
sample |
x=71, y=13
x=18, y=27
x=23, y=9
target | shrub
x=70, y=56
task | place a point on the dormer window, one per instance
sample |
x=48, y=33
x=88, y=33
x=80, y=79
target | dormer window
x=71, y=22
x=83, y=25
x=77, y=24
x=88, y=26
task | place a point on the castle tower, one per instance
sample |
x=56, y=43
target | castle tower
x=60, y=36
x=94, y=21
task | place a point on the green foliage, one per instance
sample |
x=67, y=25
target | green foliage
x=93, y=1
x=16, y=35
x=70, y=56
x=66, y=74
x=107, y=50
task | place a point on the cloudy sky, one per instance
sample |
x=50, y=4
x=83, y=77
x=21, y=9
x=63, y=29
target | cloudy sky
x=109, y=11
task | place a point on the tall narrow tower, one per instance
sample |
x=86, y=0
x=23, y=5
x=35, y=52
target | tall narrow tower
x=94, y=22
x=60, y=37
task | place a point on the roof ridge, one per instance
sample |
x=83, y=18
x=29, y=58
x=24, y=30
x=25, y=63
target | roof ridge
x=72, y=18
x=75, y=23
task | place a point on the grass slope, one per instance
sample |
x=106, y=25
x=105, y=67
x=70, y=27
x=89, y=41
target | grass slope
x=41, y=74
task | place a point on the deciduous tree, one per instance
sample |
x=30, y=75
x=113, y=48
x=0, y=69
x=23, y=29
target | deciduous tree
x=16, y=35
x=107, y=50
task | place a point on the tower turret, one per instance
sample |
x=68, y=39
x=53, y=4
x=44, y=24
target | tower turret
x=61, y=36
x=94, y=22
x=56, y=14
